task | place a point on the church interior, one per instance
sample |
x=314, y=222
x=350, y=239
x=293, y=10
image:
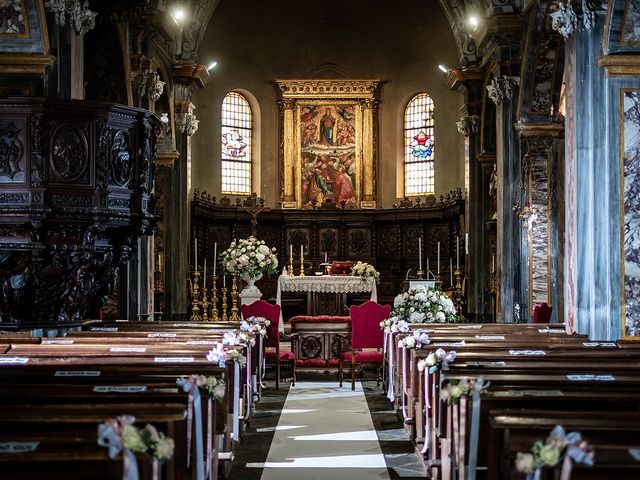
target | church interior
x=350, y=240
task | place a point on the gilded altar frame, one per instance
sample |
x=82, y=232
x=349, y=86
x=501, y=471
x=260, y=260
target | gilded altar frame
x=297, y=94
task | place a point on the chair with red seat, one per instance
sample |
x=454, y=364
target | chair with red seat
x=365, y=333
x=542, y=313
x=260, y=308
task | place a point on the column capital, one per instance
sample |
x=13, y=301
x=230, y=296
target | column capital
x=468, y=124
x=502, y=88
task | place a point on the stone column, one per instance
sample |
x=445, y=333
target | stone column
x=503, y=92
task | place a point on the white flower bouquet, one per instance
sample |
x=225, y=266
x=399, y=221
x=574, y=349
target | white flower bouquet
x=364, y=271
x=213, y=385
x=256, y=325
x=250, y=257
x=422, y=305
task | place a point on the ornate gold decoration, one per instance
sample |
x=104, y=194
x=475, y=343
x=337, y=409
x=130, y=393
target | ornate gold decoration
x=620, y=65
x=214, y=298
x=234, y=299
x=195, y=293
x=328, y=88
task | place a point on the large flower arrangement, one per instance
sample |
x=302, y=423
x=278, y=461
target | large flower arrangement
x=250, y=257
x=422, y=305
x=364, y=271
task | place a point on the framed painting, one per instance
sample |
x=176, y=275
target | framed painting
x=328, y=154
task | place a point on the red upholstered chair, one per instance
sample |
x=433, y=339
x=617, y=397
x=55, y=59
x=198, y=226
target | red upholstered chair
x=365, y=333
x=542, y=313
x=272, y=353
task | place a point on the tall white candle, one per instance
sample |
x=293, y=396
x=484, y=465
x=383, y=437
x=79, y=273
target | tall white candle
x=204, y=274
x=159, y=262
x=301, y=250
x=438, y=258
x=291, y=249
x=196, y=254
x=325, y=257
x=224, y=280
x=427, y=264
x=451, y=270
x=419, y=253
x=457, y=253
x=215, y=257
x=466, y=244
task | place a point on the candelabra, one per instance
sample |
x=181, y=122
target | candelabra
x=458, y=296
x=224, y=304
x=214, y=299
x=195, y=293
x=291, y=266
x=302, y=265
x=234, y=299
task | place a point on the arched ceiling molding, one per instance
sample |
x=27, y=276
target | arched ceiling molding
x=455, y=11
x=201, y=11
x=542, y=66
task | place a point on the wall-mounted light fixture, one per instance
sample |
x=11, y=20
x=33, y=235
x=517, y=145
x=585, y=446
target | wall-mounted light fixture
x=211, y=65
x=443, y=68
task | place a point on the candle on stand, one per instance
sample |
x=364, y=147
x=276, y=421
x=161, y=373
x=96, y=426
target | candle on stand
x=457, y=253
x=204, y=274
x=451, y=270
x=291, y=249
x=196, y=254
x=466, y=244
x=325, y=256
x=215, y=257
x=419, y=253
x=301, y=250
x=224, y=280
x=427, y=265
x=438, y=258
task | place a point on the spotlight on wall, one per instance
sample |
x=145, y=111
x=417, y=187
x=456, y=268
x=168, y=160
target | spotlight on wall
x=178, y=15
x=211, y=65
x=443, y=68
x=474, y=21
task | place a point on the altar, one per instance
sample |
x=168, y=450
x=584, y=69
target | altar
x=339, y=285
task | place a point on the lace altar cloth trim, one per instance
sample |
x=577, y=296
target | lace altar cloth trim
x=326, y=284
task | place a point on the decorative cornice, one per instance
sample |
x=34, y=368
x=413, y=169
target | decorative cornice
x=502, y=88
x=498, y=25
x=538, y=130
x=166, y=159
x=457, y=76
x=620, y=65
x=25, y=64
x=192, y=73
x=328, y=88
x=468, y=124
x=574, y=15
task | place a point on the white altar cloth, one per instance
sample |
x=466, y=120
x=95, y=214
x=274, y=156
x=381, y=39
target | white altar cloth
x=324, y=284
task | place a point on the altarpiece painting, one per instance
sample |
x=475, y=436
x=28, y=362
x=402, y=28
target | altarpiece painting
x=328, y=143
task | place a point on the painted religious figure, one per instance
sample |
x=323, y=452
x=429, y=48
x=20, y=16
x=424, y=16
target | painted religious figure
x=12, y=17
x=631, y=192
x=328, y=172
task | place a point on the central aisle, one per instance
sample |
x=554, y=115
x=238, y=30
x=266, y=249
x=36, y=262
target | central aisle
x=325, y=432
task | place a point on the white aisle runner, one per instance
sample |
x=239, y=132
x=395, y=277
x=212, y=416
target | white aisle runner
x=325, y=432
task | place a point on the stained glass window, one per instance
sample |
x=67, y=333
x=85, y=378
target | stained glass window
x=236, y=144
x=419, y=143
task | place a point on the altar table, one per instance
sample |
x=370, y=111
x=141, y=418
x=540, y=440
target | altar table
x=314, y=284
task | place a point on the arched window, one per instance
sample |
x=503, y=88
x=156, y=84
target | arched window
x=237, y=130
x=418, y=146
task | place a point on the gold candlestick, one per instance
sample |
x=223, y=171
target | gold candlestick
x=214, y=299
x=195, y=309
x=234, y=299
x=291, y=266
x=302, y=266
x=205, y=306
x=224, y=304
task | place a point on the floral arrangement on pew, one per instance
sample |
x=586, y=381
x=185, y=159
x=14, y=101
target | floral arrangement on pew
x=364, y=271
x=255, y=325
x=220, y=354
x=418, y=339
x=214, y=386
x=393, y=325
x=120, y=435
x=235, y=338
x=454, y=389
x=550, y=452
x=436, y=361
x=249, y=257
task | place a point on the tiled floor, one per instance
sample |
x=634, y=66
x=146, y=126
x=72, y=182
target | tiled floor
x=312, y=428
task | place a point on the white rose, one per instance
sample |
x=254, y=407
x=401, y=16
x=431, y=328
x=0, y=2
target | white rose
x=440, y=317
x=410, y=342
x=263, y=249
x=244, y=260
x=259, y=256
x=416, y=317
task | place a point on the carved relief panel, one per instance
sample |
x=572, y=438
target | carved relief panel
x=359, y=243
x=297, y=237
x=329, y=241
x=69, y=154
x=12, y=151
